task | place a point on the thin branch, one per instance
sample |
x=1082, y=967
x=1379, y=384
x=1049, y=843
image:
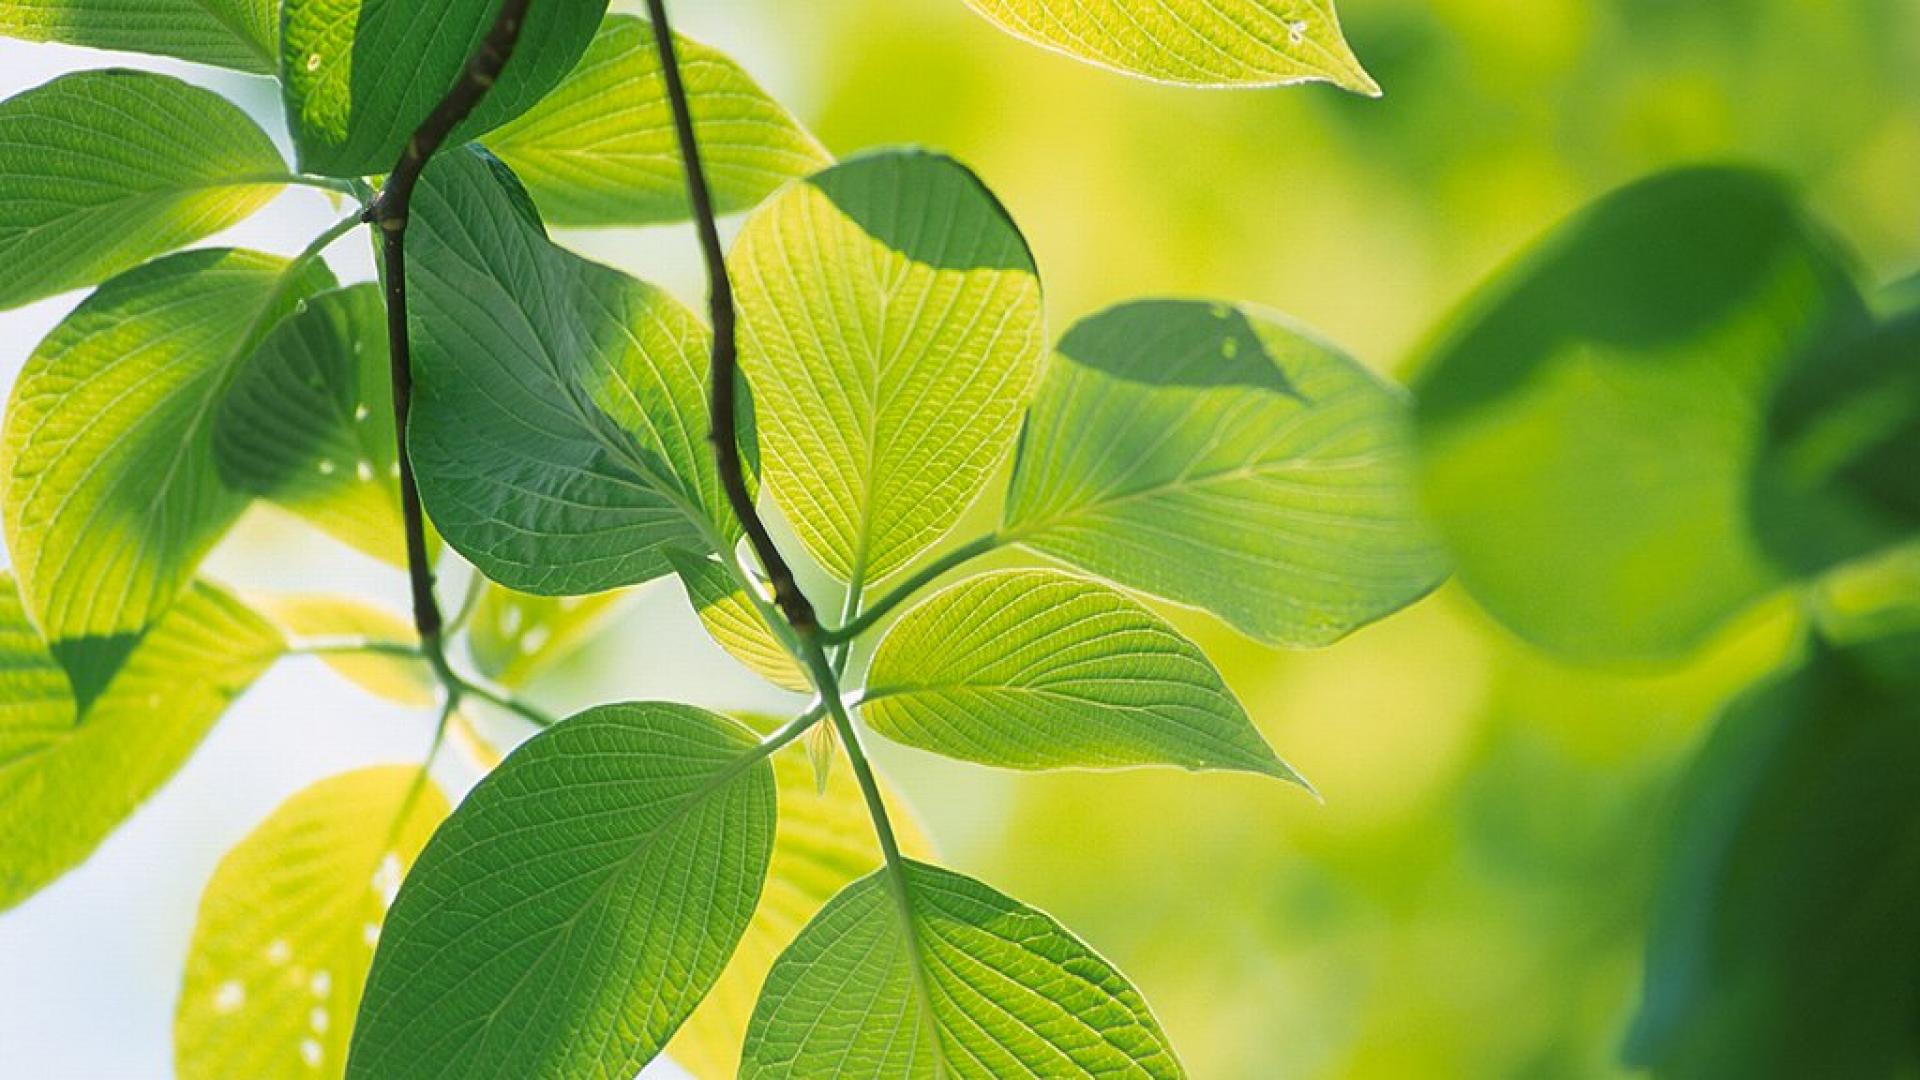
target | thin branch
x=507, y=701
x=391, y=211
x=724, y=430
x=925, y=576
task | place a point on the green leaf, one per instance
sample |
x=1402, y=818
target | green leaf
x=361, y=75
x=1590, y=424
x=1194, y=42
x=1783, y=941
x=514, y=637
x=577, y=906
x=110, y=485
x=240, y=34
x=304, y=617
x=824, y=842
x=68, y=778
x=1227, y=459
x=308, y=422
x=937, y=975
x=1039, y=669
x=734, y=623
x=891, y=329
x=560, y=422
x=288, y=926
x=102, y=170
x=600, y=150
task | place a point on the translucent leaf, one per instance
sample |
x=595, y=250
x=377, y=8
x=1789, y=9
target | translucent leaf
x=1226, y=459
x=68, y=780
x=891, y=330
x=102, y=170
x=288, y=926
x=573, y=911
x=1039, y=669
x=1783, y=943
x=1590, y=423
x=514, y=637
x=111, y=489
x=824, y=842
x=308, y=422
x=940, y=976
x=240, y=34
x=361, y=75
x=734, y=623
x=600, y=150
x=560, y=422
x=398, y=679
x=1195, y=42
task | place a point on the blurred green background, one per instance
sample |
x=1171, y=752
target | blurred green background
x=1471, y=899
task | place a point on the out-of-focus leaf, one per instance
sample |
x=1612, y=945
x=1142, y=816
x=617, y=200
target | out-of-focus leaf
x=239, y=34
x=560, y=419
x=1039, y=669
x=111, y=489
x=824, y=842
x=734, y=623
x=573, y=911
x=891, y=329
x=398, y=679
x=308, y=422
x=514, y=637
x=1590, y=423
x=288, y=926
x=600, y=150
x=68, y=779
x=1784, y=942
x=102, y=170
x=1195, y=42
x=1228, y=460
x=360, y=75
x=941, y=976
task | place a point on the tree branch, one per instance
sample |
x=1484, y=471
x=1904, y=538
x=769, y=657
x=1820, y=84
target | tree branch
x=724, y=429
x=390, y=211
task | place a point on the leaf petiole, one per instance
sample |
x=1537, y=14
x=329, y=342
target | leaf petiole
x=921, y=578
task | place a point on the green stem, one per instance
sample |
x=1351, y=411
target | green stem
x=921, y=578
x=323, y=183
x=507, y=701
x=453, y=684
x=350, y=645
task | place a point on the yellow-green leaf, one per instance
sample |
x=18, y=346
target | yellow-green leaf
x=734, y=623
x=240, y=34
x=312, y=617
x=514, y=636
x=288, y=926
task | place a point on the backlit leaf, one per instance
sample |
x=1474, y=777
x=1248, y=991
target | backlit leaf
x=515, y=637
x=734, y=623
x=941, y=976
x=67, y=780
x=1196, y=42
x=891, y=330
x=1591, y=422
x=560, y=422
x=315, y=618
x=288, y=925
x=600, y=150
x=1226, y=459
x=1039, y=669
x=361, y=75
x=572, y=912
x=102, y=170
x=111, y=490
x=308, y=422
x=240, y=34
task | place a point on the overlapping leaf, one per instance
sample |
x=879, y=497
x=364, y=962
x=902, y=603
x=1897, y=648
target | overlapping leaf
x=941, y=976
x=361, y=75
x=288, y=925
x=102, y=170
x=560, y=422
x=1038, y=669
x=308, y=422
x=1228, y=460
x=68, y=779
x=1196, y=42
x=734, y=623
x=891, y=329
x=111, y=490
x=1591, y=423
x=241, y=34
x=601, y=150
x=576, y=907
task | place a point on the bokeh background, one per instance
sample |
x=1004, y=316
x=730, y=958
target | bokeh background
x=1471, y=898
